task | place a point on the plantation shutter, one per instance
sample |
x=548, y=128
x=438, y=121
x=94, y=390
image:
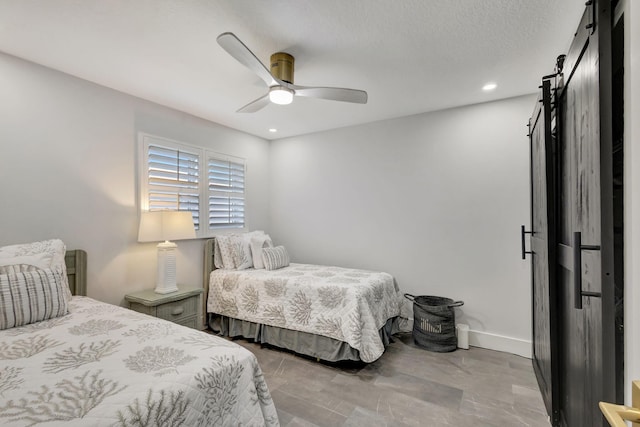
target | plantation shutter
x=226, y=192
x=173, y=180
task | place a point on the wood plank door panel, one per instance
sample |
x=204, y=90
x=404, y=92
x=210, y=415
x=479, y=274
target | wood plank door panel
x=543, y=249
x=584, y=195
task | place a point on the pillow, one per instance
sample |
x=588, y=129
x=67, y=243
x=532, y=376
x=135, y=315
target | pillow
x=225, y=244
x=217, y=256
x=257, y=244
x=55, y=248
x=244, y=257
x=242, y=253
x=32, y=296
x=19, y=264
x=275, y=258
x=233, y=251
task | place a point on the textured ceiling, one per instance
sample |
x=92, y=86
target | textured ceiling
x=411, y=56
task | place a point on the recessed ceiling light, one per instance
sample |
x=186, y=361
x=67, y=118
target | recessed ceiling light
x=273, y=130
x=489, y=86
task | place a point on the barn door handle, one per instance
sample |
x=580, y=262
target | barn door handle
x=578, y=247
x=524, y=248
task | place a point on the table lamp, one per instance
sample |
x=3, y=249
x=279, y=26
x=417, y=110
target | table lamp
x=164, y=226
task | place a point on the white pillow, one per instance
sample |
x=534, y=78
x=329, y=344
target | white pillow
x=19, y=264
x=54, y=248
x=275, y=258
x=257, y=244
x=32, y=296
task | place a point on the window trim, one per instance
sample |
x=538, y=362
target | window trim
x=203, y=154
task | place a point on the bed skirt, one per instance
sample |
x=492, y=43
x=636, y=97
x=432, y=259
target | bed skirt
x=316, y=346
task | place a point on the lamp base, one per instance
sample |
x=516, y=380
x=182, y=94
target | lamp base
x=164, y=290
x=166, y=268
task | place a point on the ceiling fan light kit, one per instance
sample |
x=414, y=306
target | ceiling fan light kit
x=279, y=78
x=280, y=95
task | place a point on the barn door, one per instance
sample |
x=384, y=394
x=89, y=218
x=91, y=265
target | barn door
x=543, y=249
x=586, y=308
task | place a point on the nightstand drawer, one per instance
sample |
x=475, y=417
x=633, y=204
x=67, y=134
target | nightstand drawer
x=191, y=322
x=177, y=310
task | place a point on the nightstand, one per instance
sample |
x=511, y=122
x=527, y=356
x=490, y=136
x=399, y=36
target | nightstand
x=180, y=307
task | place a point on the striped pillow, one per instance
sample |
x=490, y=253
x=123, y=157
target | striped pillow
x=52, y=251
x=274, y=258
x=16, y=268
x=31, y=296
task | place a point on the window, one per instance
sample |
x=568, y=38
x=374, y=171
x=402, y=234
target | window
x=173, y=176
x=173, y=180
x=226, y=193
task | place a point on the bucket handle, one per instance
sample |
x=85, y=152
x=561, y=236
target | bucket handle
x=452, y=305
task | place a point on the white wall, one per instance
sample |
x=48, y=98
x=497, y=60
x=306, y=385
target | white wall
x=68, y=170
x=632, y=194
x=434, y=199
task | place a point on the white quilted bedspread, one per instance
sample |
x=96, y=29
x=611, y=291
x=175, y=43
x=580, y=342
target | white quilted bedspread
x=103, y=365
x=345, y=304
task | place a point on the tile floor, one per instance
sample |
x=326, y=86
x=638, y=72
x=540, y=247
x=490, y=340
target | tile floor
x=407, y=386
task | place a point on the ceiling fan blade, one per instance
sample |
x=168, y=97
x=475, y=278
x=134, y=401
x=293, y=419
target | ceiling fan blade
x=332, y=93
x=237, y=49
x=256, y=105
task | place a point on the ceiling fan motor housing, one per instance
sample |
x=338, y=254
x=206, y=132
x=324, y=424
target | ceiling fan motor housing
x=282, y=66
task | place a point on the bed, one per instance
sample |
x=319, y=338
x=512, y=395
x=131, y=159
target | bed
x=104, y=365
x=328, y=313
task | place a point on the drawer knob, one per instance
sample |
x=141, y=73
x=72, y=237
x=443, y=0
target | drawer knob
x=177, y=311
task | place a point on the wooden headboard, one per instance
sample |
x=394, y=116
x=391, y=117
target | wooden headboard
x=76, y=261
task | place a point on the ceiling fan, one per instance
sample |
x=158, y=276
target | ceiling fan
x=280, y=78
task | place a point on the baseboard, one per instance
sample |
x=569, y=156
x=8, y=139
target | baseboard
x=484, y=339
x=500, y=343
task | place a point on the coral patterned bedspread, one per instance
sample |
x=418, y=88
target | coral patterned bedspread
x=103, y=365
x=341, y=303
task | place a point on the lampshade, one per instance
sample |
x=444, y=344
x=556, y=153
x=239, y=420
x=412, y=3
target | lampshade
x=280, y=95
x=157, y=226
